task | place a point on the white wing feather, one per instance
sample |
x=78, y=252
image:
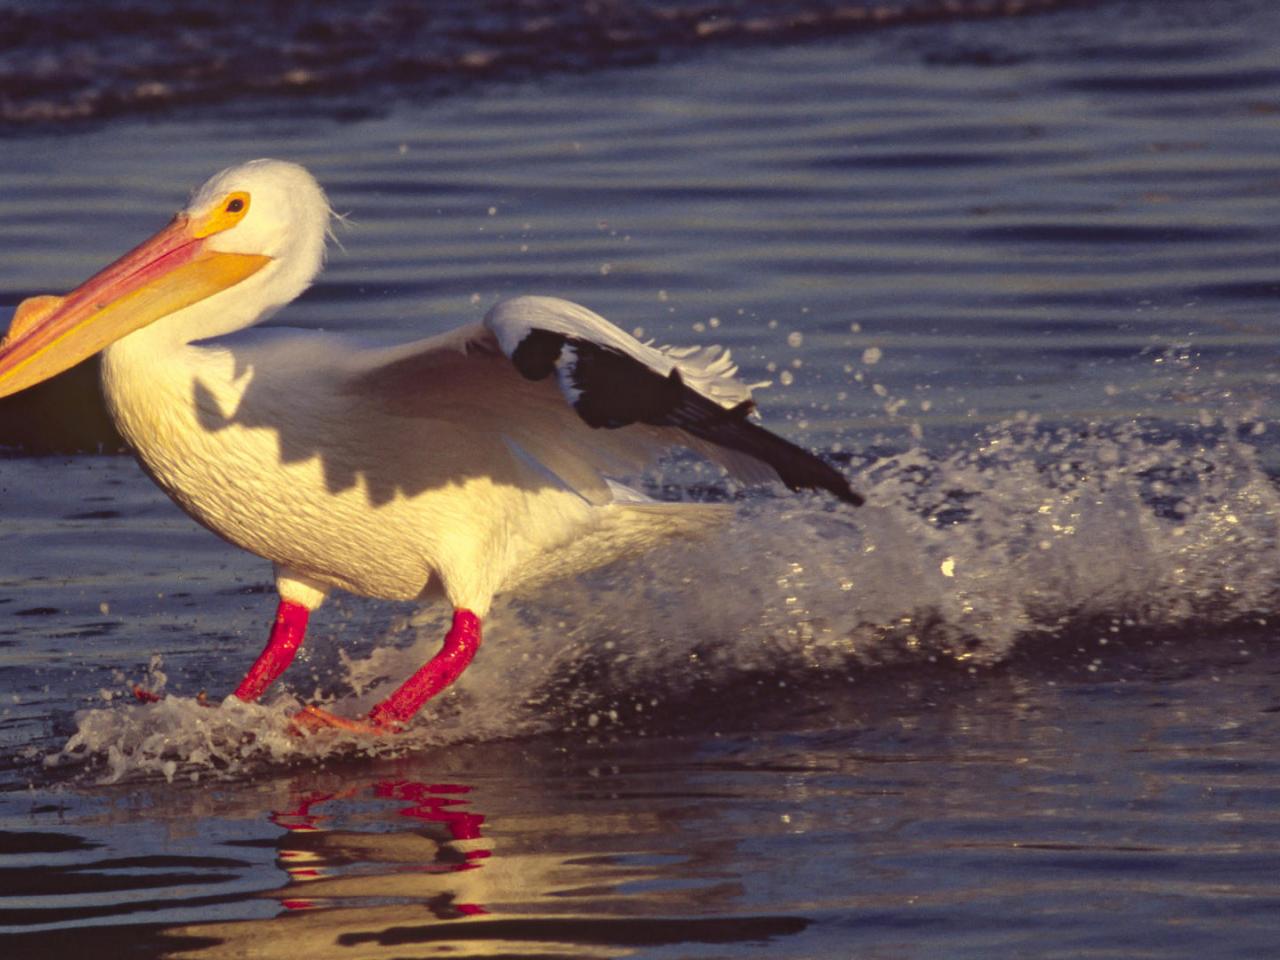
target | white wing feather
x=708, y=370
x=495, y=380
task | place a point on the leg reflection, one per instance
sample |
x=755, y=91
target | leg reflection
x=337, y=864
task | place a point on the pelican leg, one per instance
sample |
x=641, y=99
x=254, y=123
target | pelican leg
x=460, y=645
x=287, y=631
x=393, y=713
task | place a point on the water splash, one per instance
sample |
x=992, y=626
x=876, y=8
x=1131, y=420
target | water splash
x=1032, y=536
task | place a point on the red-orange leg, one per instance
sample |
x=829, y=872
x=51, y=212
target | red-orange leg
x=282, y=646
x=460, y=645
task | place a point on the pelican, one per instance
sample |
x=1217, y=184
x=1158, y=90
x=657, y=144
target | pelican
x=457, y=466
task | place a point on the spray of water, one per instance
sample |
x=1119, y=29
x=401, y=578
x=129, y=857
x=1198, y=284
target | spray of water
x=1029, y=536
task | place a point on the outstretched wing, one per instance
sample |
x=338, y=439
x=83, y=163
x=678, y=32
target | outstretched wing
x=612, y=380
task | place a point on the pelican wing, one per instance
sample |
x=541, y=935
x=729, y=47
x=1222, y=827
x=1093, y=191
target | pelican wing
x=613, y=381
x=471, y=411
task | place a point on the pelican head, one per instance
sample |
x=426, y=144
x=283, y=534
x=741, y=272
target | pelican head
x=249, y=241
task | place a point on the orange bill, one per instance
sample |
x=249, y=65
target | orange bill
x=172, y=270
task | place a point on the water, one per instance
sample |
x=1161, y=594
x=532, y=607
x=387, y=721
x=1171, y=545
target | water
x=68, y=59
x=1015, y=274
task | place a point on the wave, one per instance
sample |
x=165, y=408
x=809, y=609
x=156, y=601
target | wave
x=70, y=60
x=1032, y=540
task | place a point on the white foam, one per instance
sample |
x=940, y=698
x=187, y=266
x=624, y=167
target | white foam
x=1021, y=539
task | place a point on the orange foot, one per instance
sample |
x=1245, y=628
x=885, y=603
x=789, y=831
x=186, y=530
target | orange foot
x=311, y=720
x=143, y=695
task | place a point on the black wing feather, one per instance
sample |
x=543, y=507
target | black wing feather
x=615, y=390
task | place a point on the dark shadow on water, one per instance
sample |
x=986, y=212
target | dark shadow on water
x=117, y=942
x=658, y=931
x=63, y=415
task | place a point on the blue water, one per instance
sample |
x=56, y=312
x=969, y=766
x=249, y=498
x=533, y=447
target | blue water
x=1015, y=274
x=73, y=61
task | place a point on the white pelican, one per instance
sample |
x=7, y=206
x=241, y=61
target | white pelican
x=459, y=465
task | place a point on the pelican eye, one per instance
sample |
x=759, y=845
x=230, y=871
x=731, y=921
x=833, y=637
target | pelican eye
x=230, y=211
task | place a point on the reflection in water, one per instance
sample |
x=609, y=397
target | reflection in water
x=358, y=884
x=311, y=852
x=1005, y=810
x=438, y=885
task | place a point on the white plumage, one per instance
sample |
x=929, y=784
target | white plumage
x=459, y=466
x=421, y=470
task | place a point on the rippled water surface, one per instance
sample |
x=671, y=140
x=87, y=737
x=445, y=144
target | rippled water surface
x=1015, y=274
